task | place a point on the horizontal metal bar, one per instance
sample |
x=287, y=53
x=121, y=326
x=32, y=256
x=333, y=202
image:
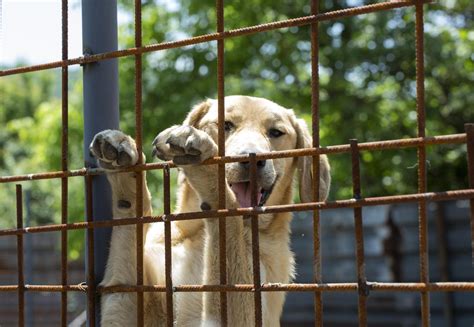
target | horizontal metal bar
x=297, y=287
x=272, y=287
x=334, y=149
x=300, y=21
x=348, y=203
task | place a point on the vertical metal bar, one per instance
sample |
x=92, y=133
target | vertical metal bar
x=91, y=296
x=255, y=242
x=318, y=302
x=443, y=253
x=469, y=128
x=221, y=151
x=28, y=262
x=101, y=111
x=168, y=252
x=422, y=217
x=359, y=235
x=19, y=251
x=64, y=159
x=139, y=175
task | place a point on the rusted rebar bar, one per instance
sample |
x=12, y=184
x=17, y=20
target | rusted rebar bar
x=348, y=203
x=64, y=158
x=276, y=287
x=221, y=151
x=20, y=257
x=335, y=149
x=168, y=249
x=317, y=266
x=139, y=175
x=300, y=21
x=91, y=296
x=421, y=123
x=359, y=236
x=255, y=242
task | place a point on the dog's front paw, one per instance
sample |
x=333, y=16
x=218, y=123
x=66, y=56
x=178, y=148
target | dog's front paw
x=185, y=145
x=114, y=149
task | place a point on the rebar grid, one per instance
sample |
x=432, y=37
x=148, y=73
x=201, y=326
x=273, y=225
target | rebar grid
x=363, y=287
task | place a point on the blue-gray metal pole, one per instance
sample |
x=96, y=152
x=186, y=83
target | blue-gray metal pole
x=101, y=111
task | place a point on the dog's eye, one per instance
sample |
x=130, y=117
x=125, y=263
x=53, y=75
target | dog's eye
x=228, y=126
x=275, y=133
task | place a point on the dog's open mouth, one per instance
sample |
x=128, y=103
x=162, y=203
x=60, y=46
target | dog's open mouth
x=244, y=194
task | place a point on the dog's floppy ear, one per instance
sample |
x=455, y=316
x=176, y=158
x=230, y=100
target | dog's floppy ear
x=304, y=166
x=196, y=114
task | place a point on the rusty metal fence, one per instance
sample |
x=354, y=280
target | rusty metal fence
x=363, y=286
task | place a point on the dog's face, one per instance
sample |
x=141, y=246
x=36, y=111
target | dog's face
x=256, y=125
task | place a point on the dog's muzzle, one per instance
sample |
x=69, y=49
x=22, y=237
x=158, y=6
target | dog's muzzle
x=238, y=176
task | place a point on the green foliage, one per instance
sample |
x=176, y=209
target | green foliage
x=367, y=78
x=31, y=142
x=367, y=91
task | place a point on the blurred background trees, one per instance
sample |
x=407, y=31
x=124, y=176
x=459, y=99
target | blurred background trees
x=367, y=76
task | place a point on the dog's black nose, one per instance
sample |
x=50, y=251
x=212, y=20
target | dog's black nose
x=260, y=163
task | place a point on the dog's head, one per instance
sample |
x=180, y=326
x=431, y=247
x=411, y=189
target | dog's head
x=255, y=125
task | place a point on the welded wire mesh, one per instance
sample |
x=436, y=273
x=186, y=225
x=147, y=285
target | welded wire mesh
x=357, y=202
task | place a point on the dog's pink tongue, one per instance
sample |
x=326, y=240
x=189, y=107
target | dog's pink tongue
x=243, y=194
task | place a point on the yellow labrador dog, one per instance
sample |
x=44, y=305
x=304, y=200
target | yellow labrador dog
x=252, y=125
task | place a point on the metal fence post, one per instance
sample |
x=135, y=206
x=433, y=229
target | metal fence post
x=101, y=111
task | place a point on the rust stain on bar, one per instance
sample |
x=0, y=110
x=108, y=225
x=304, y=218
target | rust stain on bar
x=255, y=242
x=139, y=174
x=168, y=250
x=470, y=168
x=64, y=158
x=324, y=287
x=359, y=236
x=421, y=123
x=301, y=21
x=297, y=287
x=91, y=296
x=20, y=258
x=221, y=150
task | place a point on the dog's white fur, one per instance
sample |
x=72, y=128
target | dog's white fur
x=196, y=242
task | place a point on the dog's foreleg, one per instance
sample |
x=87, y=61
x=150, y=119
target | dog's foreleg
x=240, y=305
x=121, y=265
x=115, y=150
x=188, y=146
